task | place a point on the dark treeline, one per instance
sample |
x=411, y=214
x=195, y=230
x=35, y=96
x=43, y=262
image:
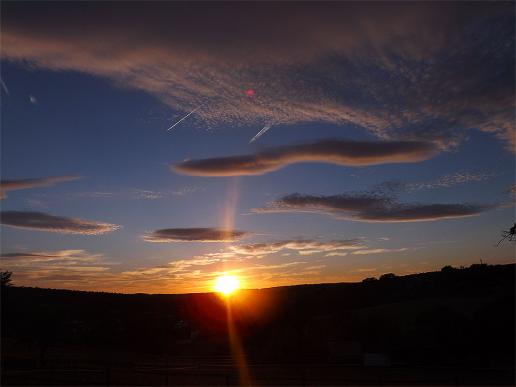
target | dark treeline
x=452, y=317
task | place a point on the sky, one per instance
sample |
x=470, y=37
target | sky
x=151, y=147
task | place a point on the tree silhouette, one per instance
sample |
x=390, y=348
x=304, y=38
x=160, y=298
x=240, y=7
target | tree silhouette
x=5, y=278
x=388, y=276
x=509, y=235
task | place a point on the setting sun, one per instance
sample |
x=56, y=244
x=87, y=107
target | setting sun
x=227, y=284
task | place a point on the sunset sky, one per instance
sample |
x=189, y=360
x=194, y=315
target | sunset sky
x=390, y=149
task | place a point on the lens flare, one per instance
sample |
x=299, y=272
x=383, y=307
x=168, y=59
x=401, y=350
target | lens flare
x=227, y=284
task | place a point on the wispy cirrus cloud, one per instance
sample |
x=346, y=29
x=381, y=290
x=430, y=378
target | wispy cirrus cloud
x=61, y=257
x=80, y=269
x=450, y=180
x=147, y=194
x=133, y=193
x=446, y=181
x=333, y=151
x=371, y=208
x=397, y=70
x=40, y=221
x=302, y=246
x=198, y=273
x=205, y=234
x=75, y=269
x=378, y=251
x=17, y=184
x=153, y=195
x=512, y=189
x=511, y=192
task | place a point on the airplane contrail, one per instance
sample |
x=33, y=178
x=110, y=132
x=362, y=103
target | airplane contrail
x=185, y=117
x=4, y=86
x=261, y=132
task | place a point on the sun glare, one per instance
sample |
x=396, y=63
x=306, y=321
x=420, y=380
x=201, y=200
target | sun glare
x=227, y=284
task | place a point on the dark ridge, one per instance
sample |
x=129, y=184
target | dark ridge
x=455, y=323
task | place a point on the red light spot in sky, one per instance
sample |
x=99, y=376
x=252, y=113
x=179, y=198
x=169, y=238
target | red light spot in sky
x=250, y=92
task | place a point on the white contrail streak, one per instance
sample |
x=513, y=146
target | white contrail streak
x=185, y=117
x=261, y=132
x=4, y=86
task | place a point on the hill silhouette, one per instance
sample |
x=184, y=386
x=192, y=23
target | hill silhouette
x=452, y=326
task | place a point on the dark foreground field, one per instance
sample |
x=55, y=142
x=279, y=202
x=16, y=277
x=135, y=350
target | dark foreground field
x=453, y=327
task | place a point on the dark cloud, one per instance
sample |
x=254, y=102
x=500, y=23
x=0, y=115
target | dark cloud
x=12, y=185
x=45, y=222
x=371, y=208
x=342, y=152
x=400, y=70
x=194, y=235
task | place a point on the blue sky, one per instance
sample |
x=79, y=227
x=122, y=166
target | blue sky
x=96, y=111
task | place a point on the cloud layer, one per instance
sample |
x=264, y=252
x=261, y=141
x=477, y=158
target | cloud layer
x=71, y=269
x=12, y=185
x=59, y=257
x=194, y=235
x=390, y=187
x=41, y=221
x=371, y=208
x=79, y=269
x=334, y=151
x=426, y=71
x=303, y=246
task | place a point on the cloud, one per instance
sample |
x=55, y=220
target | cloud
x=12, y=185
x=92, y=195
x=450, y=180
x=72, y=269
x=194, y=235
x=425, y=71
x=303, y=246
x=153, y=195
x=511, y=192
x=371, y=208
x=199, y=273
x=377, y=251
x=147, y=194
x=175, y=268
x=61, y=257
x=336, y=254
x=41, y=221
x=136, y=193
x=79, y=269
x=334, y=151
